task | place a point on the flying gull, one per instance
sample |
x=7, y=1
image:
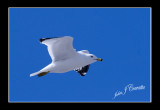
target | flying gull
x=65, y=58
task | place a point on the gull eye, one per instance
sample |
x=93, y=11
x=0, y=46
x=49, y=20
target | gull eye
x=91, y=56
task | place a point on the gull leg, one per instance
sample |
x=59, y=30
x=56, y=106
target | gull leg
x=42, y=74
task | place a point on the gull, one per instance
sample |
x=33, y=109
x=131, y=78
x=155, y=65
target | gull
x=65, y=58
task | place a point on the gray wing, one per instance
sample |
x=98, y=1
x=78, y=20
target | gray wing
x=59, y=48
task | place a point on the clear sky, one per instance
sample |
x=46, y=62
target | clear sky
x=121, y=36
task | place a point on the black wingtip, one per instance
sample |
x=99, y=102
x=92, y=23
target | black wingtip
x=82, y=71
x=43, y=39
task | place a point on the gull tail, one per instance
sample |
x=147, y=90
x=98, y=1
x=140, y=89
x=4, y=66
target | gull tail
x=33, y=74
x=39, y=74
x=43, y=71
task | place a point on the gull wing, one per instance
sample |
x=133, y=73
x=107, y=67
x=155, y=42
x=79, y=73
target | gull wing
x=83, y=70
x=59, y=48
x=84, y=51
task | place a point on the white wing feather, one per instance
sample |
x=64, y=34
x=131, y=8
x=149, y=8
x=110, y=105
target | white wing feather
x=85, y=51
x=60, y=48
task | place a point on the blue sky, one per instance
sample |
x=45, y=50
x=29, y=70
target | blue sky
x=121, y=36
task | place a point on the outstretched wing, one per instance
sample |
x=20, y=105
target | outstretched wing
x=84, y=51
x=59, y=48
x=83, y=70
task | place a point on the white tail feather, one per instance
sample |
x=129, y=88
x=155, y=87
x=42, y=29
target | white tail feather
x=33, y=74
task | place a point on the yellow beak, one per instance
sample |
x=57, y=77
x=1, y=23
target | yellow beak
x=99, y=59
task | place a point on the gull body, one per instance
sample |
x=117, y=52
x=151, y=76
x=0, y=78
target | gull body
x=65, y=58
